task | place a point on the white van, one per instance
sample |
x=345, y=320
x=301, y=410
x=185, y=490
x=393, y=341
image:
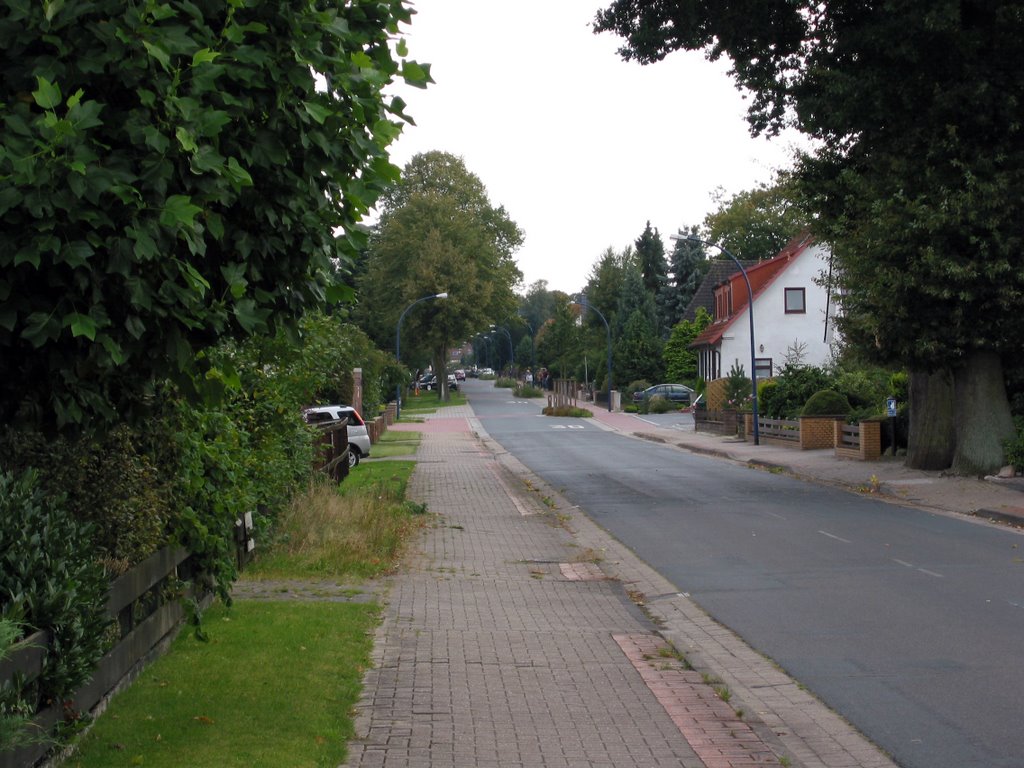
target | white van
x=358, y=437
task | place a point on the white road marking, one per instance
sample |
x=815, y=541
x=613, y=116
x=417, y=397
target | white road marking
x=833, y=536
x=931, y=573
x=904, y=563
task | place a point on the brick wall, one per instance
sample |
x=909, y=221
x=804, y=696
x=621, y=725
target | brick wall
x=818, y=432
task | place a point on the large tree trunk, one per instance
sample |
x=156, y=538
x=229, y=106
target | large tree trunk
x=932, y=439
x=441, y=371
x=983, y=418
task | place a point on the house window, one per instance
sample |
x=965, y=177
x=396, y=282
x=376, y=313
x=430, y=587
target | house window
x=763, y=366
x=795, y=303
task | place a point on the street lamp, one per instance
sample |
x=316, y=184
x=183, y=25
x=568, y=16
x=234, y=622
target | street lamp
x=583, y=303
x=750, y=314
x=511, y=353
x=398, y=345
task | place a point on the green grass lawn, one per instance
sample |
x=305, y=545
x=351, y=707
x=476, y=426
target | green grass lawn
x=393, y=444
x=428, y=402
x=274, y=686
x=277, y=682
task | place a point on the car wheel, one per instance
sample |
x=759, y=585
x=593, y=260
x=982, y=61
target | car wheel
x=353, y=456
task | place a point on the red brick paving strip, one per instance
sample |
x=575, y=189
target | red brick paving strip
x=718, y=736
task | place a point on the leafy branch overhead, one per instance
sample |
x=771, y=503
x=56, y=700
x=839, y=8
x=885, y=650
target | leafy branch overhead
x=175, y=172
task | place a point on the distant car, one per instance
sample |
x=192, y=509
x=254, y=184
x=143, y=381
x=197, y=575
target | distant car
x=460, y=375
x=453, y=381
x=358, y=437
x=427, y=381
x=676, y=393
x=486, y=371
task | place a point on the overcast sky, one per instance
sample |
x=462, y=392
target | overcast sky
x=581, y=147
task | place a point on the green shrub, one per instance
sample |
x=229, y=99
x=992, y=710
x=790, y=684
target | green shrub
x=635, y=386
x=737, y=388
x=1015, y=447
x=505, y=382
x=827, y=402
x=50, y=580
x=659, y=404
x=793, y=388
x=568, y=410
x=528, y=390
x=108, y=481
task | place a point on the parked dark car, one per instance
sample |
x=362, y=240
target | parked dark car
x=427, y=381
x=676, y=393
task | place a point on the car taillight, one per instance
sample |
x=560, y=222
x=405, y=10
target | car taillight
x=357, y=418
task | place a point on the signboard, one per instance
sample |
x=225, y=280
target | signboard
x=890, y=406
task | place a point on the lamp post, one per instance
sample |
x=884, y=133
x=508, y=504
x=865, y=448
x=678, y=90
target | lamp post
x=398, y=344
x=750, y=315
x=511, y=353
x=583, y=303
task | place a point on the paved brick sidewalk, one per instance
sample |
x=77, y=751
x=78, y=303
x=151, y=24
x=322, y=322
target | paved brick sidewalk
x=513, y=638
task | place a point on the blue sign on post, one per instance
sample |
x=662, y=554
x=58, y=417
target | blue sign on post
x=890, y=406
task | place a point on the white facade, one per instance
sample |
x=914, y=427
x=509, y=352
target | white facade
x=778, y=333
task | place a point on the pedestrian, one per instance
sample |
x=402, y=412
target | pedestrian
x=529, y=378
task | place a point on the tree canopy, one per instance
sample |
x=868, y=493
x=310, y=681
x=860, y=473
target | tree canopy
x=174, y=172
x=433, y=238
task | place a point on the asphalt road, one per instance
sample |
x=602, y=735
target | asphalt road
x=907, y=623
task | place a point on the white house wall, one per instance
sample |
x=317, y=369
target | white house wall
x=775, y=332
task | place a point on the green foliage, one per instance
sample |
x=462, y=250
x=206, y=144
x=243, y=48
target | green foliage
x=680, y=360
x=111, y=481
x=756, y=224
x=688, y=264
x=567, y=411
x=173, y=173
x=793, y=387
x=50, y=580
x=16, y=728
x=638, y=349
x=659, y=404
x=737, y=388
x=505, y=383
x=637, y=385
x=528, y=390
x=827, y=402
x=438, y=233
x=1015, y=447
x=558, y=341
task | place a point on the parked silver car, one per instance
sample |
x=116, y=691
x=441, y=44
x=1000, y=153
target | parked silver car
x=358, y=437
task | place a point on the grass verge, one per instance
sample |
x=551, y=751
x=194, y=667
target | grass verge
x=428, y=402
x=273, y=687
x=393, y=444
x=353, y=531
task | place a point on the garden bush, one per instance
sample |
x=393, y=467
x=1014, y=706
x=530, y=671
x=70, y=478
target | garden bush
x=505, y=382
x=827, y=402
x=659, y=404
x=528, y=390
x=51, y=580
x=1015, y=447
x=793, y=388
x=110, y=481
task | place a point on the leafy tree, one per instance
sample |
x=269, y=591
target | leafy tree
x=175, y=172
x=680, y=360
x=914, y=107
x=438, y=233
x=650, y=252
x=757, y=223
x=558, y=342
x=637, y=349
x=687, y=266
